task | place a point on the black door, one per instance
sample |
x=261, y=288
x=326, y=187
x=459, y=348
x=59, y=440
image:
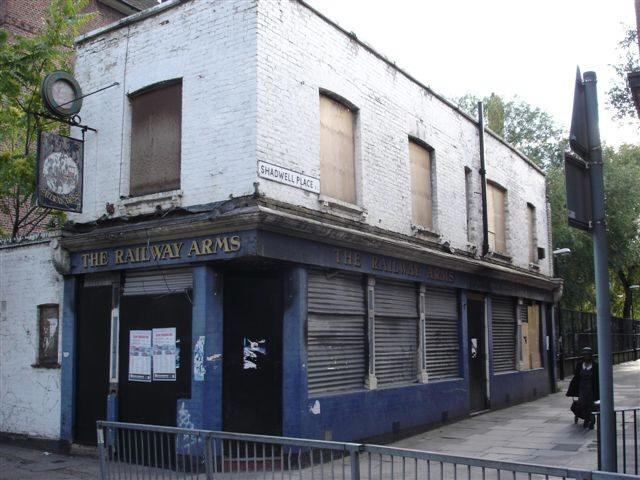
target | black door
x=92, y=357
x=154, y=402
x=252, y=366
x=477, y=354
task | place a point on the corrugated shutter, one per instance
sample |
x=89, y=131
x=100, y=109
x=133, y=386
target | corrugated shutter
x=158, y=282
x=101, y=279
x=336, y=332
x=396, y=332
x=504, y=334
x=442, y=333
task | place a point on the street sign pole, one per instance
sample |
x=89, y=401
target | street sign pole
x=607, y=429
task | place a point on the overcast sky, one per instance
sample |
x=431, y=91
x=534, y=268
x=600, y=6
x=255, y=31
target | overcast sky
x=510, y=47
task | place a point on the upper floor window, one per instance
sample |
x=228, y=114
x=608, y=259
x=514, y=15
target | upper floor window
x=496, y=201
x=533, y=241
x=156, y=130
x=421, y=192
x=337, y=150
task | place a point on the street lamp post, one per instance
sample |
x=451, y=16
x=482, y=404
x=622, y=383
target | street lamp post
x=558, y=252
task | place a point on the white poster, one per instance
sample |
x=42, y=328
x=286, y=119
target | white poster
x=164, y=354
x=140, y=355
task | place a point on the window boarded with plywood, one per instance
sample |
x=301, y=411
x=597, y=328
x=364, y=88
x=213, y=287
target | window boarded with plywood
x=156, y=131
x=496, y=198
x=421, y=194
x=337, y=163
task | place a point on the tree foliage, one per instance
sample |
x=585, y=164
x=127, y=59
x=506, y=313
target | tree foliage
x=24, y=61
x=622, y=182
x=619, y=95
x=530, y=129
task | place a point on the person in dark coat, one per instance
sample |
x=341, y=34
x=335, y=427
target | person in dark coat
x=585, y=385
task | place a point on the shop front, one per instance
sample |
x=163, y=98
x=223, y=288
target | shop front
x=260, y=332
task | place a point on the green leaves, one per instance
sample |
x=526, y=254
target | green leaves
x=620, y=97
x=528, y=128
x=24, y=61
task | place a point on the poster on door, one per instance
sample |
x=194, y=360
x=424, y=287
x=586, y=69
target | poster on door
x=140, y=355
x=164, y=354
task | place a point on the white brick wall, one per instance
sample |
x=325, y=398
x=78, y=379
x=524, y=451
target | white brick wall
x=29, y=397
x=252, y=71
x=211, y=45
x=299, y=54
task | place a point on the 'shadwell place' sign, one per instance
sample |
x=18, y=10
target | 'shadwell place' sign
x=288, y=177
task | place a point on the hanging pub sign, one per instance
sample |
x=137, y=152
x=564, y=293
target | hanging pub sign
x=59, y=172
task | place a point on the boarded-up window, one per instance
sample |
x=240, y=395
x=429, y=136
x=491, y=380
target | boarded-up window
x=531, y=222
x=421, y=202
x=337, y=164
x=496, y=197
x=48, y=327
x=336, y=333
x=156, y=130
x=530, y=337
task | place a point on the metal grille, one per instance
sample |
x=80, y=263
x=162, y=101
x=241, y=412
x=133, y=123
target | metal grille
x=442, y=333
x=336, y=332
x=396, y=332
x=158, y=282
x=504, y=334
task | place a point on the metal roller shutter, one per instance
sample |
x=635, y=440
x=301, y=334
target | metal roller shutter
x=442, y=333
x=396, y=332
x=336, y=333
x=504, y=333
x=158, y=282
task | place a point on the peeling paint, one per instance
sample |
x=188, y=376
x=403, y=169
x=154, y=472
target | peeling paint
x=315, y=408
x=214, y=358
x=198, y=360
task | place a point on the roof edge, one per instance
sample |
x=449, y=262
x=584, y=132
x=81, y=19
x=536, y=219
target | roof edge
x=443, y=99
x=136, y=17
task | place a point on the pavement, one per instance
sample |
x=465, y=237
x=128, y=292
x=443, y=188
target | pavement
x=539, y=432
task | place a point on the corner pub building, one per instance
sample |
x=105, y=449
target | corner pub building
x=304, y=220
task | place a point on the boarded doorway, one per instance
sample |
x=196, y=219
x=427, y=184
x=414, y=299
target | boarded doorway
x=154, y=400
x=477, y=352
x=252, y=371
x=92, y=356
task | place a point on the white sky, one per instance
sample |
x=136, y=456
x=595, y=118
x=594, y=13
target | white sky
x=510, y=47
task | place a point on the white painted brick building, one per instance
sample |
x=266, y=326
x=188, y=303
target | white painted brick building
x=29, y=394
x=251, y=77
x=252, y=73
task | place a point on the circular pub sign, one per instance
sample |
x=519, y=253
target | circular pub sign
x=61, y=94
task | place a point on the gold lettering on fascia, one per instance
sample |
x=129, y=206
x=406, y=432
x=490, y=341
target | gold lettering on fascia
x=162, y=251
x=440, y=274
x=391, y=265
x=347, y=257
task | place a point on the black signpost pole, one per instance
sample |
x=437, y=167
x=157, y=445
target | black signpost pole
x=607, y=429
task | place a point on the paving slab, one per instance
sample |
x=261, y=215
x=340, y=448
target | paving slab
x=540, y=432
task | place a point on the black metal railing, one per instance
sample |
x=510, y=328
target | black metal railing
x=577, y=330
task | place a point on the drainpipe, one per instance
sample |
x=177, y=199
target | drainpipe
x=483, y=177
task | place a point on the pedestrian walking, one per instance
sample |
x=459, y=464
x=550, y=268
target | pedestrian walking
x=586, y=387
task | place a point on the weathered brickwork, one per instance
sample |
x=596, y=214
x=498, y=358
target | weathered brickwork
x=300, y=54
x=29, y=396
x=211, y=45
x=252, y=73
